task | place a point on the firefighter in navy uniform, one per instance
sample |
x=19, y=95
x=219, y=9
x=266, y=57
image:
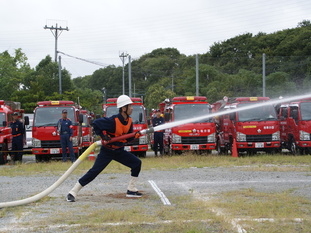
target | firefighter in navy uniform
x=65, y=130
x=158, y=136
x=18, y=132
x=108, y=128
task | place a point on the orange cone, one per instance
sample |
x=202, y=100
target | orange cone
x=91, y=156
x=234, y=151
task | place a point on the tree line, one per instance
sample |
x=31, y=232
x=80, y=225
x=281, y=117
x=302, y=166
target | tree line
x=230, y=68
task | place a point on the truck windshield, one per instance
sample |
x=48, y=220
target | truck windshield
x=2, y=118
x=263, y=113
x=188, y=111
x=49, y=116
x=305, y=108
x=112, y=110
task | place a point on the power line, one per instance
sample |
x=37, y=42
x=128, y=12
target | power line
x=85, y=60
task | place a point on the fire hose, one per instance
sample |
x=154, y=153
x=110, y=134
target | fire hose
x=69, y=171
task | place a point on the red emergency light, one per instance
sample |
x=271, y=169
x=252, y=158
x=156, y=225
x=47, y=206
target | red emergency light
x=56, y=103
x=190, y=99
x=249, y=99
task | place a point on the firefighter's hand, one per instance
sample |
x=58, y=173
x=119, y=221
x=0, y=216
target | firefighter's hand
x=137, y=134
x=106, y=137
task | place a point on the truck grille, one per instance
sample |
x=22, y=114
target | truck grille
x=134, y=142
x=259, y=138
x=194, y=140
x=50, y=144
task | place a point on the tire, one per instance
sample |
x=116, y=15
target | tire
x=38, y=158
x=3, y=154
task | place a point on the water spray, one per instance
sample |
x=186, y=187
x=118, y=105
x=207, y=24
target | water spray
x=142, y=132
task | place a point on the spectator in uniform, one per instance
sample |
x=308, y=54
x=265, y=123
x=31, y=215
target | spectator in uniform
x=158, y=135
x=65, y=130
x=18, y=132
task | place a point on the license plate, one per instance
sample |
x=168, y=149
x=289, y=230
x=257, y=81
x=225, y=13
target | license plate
x=127, y=148
x=259, y=145
x=194, y=147
x=54, y=151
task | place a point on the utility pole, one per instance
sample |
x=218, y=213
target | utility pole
x=60, y=74
x=56, y=31
x=130, y=76
x=123, y=56
x=197, y=75
x=264, y=75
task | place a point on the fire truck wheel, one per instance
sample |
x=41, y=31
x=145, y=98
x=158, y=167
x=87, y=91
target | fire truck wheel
x=38, y=158
x=3, y=154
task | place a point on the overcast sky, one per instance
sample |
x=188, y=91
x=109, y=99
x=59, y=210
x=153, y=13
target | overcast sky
x=99, y=30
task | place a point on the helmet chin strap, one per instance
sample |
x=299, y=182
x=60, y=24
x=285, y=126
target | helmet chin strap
x=126, y=111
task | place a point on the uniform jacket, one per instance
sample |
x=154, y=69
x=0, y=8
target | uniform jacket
x=17, y=128
x=114, y=126
x=64, y=126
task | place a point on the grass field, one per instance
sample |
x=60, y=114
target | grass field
x=244, y=210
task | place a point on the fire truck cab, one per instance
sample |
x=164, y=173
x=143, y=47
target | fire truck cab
x=87, y=132
x=138, y=146
x=256, y=129
x=7, y=108
x=198, y=136
x=46, y=140
x=295, y=126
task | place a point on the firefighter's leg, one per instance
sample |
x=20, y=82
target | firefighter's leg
x=13, y=154
x=20, y=146
x=72, y=154
x=63, y=142
x=133, y=162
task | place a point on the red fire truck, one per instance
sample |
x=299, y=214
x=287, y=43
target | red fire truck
x=139, y=146
x=256, y=129
x=46, y=141
x=197, y=136
x=295, y=126
x=7, y=108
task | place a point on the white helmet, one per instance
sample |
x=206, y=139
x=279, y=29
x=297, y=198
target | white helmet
x=123, y=100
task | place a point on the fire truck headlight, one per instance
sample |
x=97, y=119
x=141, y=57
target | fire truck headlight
x=176, y=138
x=143, y=139
x=304, y=136
x=276, y=136
x=240, y=137
x=36, y=142
x=211, y=137
x=75, y=141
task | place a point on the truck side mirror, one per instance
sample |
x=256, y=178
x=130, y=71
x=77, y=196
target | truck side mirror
x=140, y=117
x=4, y=123
x=80, y=118
x=149, y=122
x=26, y=120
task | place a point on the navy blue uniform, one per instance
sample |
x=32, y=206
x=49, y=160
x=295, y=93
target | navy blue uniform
x=64, y=127
x=158, y=136
x=17, y=140
x=115, y=125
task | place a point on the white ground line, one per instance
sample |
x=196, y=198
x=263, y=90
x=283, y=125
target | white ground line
x=159, y=192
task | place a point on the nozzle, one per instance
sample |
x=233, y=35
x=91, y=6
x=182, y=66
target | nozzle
x=147, y=131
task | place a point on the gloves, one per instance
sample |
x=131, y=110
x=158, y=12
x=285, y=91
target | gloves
x=105, y=136
x=137, y=134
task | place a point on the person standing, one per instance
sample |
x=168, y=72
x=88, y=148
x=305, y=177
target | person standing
x=158, y=135
x=65, y=130
x=108, y=128
x=18, y=132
